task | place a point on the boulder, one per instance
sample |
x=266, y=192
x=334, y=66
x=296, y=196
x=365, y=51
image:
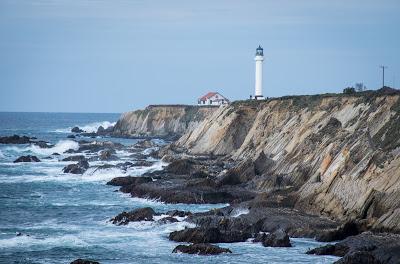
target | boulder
x=350, y=228
x=84, y=261
x=15, y=139
x=201, y=249
x=78, y=168
x=107, y=154
x=143, y=163
x=27, y=158
x=178, y=213
x=128, y=180
x=74, y=158
x=167, y=220
x=141, y=214
x=76, y=130
x=180, y=167
x=358, y=257
x=208, y=235
x=71, y=136
x=42, y=144
x=279, y=238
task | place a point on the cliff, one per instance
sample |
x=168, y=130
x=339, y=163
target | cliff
x=161, y=120
x=339, y=155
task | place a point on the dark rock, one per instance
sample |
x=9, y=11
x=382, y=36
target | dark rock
x=141, y=214
x=18, y=234
x=42, y=144
x=56, y=154
x=76, y=130
x=350, y=228
x=107, y=154
x=15, y=139
x=178, y=213
x=180, y=167
x=359, y=257
x=381, y=248
x=128, y=180
x=167, y=220
x=240, y=174
x=334, y=250
x=27, y=158
x=279, y=238
x=71, y=136
x=78, y=168
x=97, y=146
x=208, y=235
x=144, y=144
x=201, y=249
x=143, y=163
x=74, y=158
x=200, y=174
x=84, y=261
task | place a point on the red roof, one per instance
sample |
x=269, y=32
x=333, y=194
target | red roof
x=208, y=95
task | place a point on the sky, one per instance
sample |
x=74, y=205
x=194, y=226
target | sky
x=120, y=55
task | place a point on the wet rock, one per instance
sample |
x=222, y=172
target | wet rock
x=15, y=139
x=278, y=238
x=128, y=180
x=56, y=154
x=97, y=146
x=143, y=163
x=71, y=136
x=84, y=261
x=107, y=154
x=378, y=248
x=77, y=130
x=208, y=235
x=359, y=257
x=180, y=167
x=78, y=168
x=178, y=213
x=350, y=228
x=201, y=249
x=200, y=174
x=27, y=158
x=144, y=144
x=74, y=158
x=141, y=214
x=167, y=220
x=42, y=144
x=101, y=131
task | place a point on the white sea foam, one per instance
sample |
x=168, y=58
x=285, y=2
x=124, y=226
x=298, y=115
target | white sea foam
x=50, y=242
x=60, y=147
x=239, y=211
x=92, y=127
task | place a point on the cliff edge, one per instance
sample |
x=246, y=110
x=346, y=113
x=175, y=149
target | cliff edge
x=338, y=155
x=165, y=121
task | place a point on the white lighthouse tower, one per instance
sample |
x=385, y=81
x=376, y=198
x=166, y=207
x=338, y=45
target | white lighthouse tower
x=258, y=95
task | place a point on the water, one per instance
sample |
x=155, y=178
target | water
x=63, y=216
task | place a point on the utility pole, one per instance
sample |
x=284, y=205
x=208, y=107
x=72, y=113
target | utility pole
x=383, y=75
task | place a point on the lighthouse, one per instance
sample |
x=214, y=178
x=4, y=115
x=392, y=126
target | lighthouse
x=258, y=95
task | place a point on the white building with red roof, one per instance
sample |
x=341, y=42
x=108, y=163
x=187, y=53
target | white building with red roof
x=212, y=98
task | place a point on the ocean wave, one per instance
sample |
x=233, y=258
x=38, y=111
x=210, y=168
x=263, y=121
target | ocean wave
x=89, y=128
x=60, y=147
x=1, y=155
x=36, y=242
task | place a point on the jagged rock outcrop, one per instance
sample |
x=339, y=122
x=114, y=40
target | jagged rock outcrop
x=339, y=154
x=161, y=120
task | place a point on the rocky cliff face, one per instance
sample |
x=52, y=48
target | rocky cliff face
x=161, y=120
x=338, y=155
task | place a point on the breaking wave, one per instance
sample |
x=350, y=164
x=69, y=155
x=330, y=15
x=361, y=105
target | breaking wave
x=89, y=128
x=60, y=147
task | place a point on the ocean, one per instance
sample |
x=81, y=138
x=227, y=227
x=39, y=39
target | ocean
x=62, y=217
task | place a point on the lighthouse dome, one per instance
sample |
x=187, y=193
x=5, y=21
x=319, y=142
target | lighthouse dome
x=259, y=51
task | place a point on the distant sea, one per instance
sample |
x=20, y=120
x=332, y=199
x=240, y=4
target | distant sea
x=62, y=217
